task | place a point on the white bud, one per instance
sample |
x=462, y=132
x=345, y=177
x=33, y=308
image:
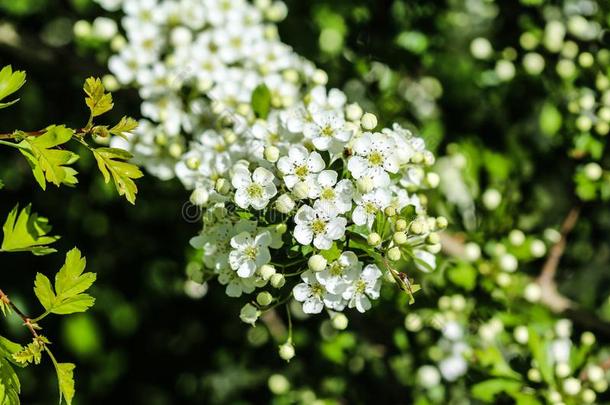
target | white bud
x=181, y=36
x=249, y=314
x=373, y=239
x=394, y=254
x=317, y=263
x=572, y=386
x=516, y=237
x=538, y=248
x=491, y=199
x=508, y=263
x=589, y=396
x=286, y=351
x=587, y=338
x=272, y=154
x=595, y=373
x=521, y=334
x=534, y=375
x=400, y=238
x=175, y=150
x=82, y=28
x=369, y=121
x=264, y=298
x=554, y=33
x=533, y=63
x=433, y=179
x=413, y=323
x=505, y=70
x=428, y=376
x=532, y=292
x=458, y=302
x=277, y=280
x=562, y=370
x=593, y=171
x=563, y=328
x=278, y=384
x=472, y=251
x=340, y=322
x=320, y=77
x=353, y=112
x=481, y=48
x=434, y=249
x=284, y=204
x=503, y=279
x=266, y=271
x=199, y=196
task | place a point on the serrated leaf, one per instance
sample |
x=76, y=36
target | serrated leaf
x=97, y=99
x=47, y=162
x=261, y=101
x=65, y=379
x=27, y=232
x=10, y=82
x=10, y=387
x=70, y=284
x=8, y=347
x=125, y=126
x=112, y=163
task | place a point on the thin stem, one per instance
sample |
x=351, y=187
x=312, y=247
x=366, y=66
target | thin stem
x=39, y=318
x=289, y=323
x=31, y=325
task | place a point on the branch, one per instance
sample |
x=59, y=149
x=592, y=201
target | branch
x=550, y=295
x=32, y=326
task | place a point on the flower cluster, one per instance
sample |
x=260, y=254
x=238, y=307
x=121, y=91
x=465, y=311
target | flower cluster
x=300, y=190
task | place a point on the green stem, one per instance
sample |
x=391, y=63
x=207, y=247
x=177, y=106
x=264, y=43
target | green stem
x=39, y=318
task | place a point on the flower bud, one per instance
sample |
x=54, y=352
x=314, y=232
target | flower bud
x=175, y=150
x=434, y=249
x=266, y=271
x=390, y=211
x=589, y=396
x=400, y=225
x=317, y=263
x=277, y=280
x=264, y=298
x=533, y=374
x=417, y=158
x=394, y=254
x=369, y=121
x=278, y=384
x=320, y=77
x=508, y=262
x=572, y=386
x=532, y=292
x=587, y=338
x=281, y=228
x=249, y=314
x=434, y=238
x=491, y=199
x=353, y=112
x=284, y=204
x=472, y=251
x=222, y=186
x=433, y=179
x=272, y=154
x=340, y=322
x=400, y=238
x=562, y=370
x=441, y=223
x=593, y=171
x=286, y=351
x=300, y=190
x=199, y=196
x=373, y=239
x=521, y=334
x=193, y=163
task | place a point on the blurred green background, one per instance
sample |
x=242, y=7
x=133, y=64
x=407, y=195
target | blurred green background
x=146, y=342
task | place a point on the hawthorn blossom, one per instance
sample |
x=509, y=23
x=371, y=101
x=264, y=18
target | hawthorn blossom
x=255, y=190
x=300, y=166
x=320, y=224
x=364, y=288
x=374, y=157
x=314, y=295
x=369, y=204
x=249, y=253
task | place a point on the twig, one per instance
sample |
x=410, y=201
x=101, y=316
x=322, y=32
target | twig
x=550, y=295
x=26, y=320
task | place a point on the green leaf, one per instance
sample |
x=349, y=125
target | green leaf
x=10, y=82
x=463, y=275
x=487, y=390
x=8, y=348
x=97, y=99
x=261, y=101
x=70, y=284
x=27, y=232
x=112, y=162
x=125, y=125
x=65, y=379
x=32, y=353
x=10, y=387
x=550, y=119
x=49, y=163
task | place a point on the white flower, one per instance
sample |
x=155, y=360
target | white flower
x=369, y=204
x=453, y=367
x=249, y=253
x=340, y=273
x=313, y=295
x=300, y=166
x=374, y=157
x=334, y=101
x=338, y=194
x=236, y=285
x=366, y=286
x=320, y=224
x=327, y=132
x=256, y=190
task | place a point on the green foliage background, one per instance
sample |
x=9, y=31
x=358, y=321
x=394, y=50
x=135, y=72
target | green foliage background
x=145, y=341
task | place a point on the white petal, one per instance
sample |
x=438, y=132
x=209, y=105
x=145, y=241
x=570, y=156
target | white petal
x=301, y=292
x=246, y=269
x=359, y=216
x=315, y=163
x=303, y=234
x=357, y=166
x=322, y=142
x=241, y=198
x=335, y=229
x=262, y=176
x=362, y=303
x=328, y=178
x=313, y=306
x=241, y=179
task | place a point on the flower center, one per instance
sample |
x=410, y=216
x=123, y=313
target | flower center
x=376, y=158
x=251, y=252
x=318, y=226
x=317, y=290
x=327, y=194
x=301, y=172
x=360, y=287
x=327, y=130
x=255, y=190
x=370, y=208
x=336, y=269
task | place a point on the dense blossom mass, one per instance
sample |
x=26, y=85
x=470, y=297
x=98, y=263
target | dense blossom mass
x=294, y=180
